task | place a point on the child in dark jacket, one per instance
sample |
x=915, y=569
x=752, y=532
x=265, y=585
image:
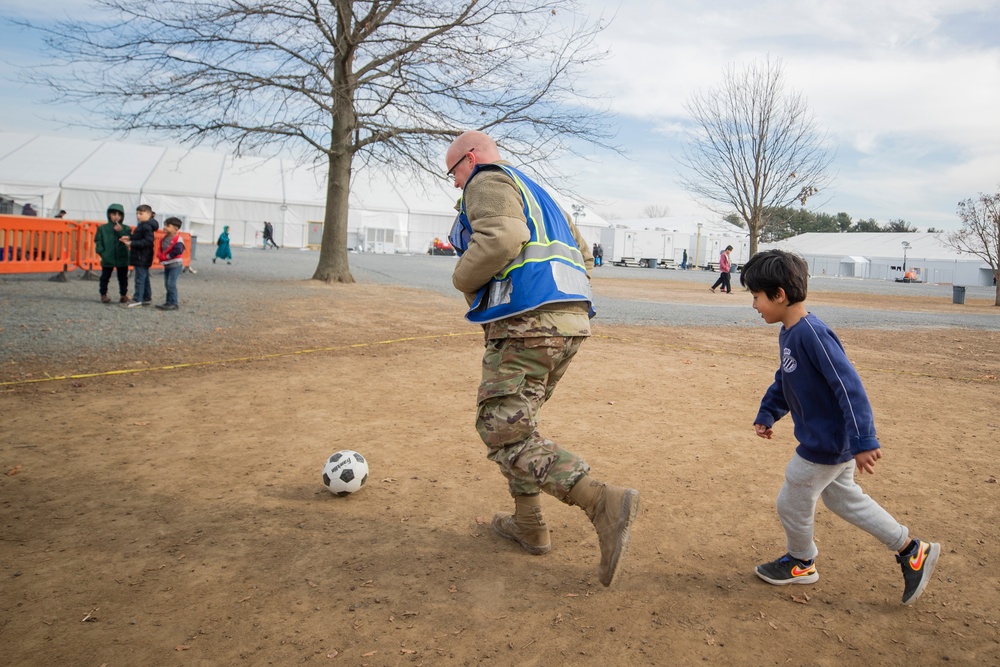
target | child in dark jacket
x=114, y=254
x=835, y=428
x=169, y=253
x=140, y=245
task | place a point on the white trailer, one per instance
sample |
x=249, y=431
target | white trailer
x=646, y=248
x=705, y=252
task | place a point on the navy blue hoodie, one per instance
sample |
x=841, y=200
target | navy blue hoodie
x=818, y=385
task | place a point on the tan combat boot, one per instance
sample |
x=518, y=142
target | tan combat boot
x=612, y=510
x=526, y=526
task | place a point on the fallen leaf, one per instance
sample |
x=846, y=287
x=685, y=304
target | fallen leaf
x=480, y=520
x=389, y=480
x=13, y=471
x=407, y=651
x=181, y=647
x=801, y=600
x=369, y=654
x=332, y=654
x=572, y=595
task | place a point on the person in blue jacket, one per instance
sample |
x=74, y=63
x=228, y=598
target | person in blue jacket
x=833, y=424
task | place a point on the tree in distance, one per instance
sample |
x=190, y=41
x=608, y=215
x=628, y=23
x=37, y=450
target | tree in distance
x=337, y=84
x=754, y=146
x=980, y=232
x=656, y=211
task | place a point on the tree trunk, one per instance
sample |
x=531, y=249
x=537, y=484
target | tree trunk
x=333, y=265
x=996, y=282
x=753, y=226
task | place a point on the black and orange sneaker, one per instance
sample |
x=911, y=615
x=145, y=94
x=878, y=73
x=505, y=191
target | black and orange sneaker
x=918, y=565
x=788, y=570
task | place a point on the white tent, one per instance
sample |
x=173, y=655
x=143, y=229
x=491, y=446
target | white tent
x=882, y=256
x=209, y=191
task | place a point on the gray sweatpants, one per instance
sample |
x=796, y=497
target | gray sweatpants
x=806, y=482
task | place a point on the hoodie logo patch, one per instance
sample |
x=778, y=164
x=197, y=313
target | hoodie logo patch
x=788, y=363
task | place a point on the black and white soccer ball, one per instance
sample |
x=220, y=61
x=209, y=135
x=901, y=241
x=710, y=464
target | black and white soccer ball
x=345, y=472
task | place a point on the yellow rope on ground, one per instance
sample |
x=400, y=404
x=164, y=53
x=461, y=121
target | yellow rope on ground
x=277, y=355
x=216, y=362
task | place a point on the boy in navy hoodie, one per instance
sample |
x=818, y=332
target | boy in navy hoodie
x=833, y=424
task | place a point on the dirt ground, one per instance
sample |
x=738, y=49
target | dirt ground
x=176, y=516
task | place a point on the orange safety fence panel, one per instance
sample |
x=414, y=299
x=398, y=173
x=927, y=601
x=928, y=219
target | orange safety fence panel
x=42, y=245
x=92, y=261
x=33, y=245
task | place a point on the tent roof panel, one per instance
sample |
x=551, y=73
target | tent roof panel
x=44, y=160
x=115, y=166
x=253, y=179
x=183, y=172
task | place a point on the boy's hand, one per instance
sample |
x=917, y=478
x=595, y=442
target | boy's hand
x=126, y=240
x=866, y=460
x=763, y=431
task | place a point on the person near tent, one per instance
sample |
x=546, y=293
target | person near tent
x=222, y=250
x=597, y=260
x=534, y=316
x=684, y=261
x=141, y=244
x=170, y=255
x=724, y=267
x=28, y=209
x=269, y=235
x=61, y=214
x=113, y=253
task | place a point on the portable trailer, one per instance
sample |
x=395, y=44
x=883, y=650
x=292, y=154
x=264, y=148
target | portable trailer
x=645, y=248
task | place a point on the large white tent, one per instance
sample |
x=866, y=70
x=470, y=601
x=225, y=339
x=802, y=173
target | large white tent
x=882, y=256
x=210, y=191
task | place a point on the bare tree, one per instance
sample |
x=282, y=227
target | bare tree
x=980, y=232
x=656, y=211
x=388, y=82
x=755, y=147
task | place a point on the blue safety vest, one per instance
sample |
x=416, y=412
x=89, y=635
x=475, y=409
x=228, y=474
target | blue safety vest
x=549, y=268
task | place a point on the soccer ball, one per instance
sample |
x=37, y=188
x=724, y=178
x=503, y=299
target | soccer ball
x=345, y=472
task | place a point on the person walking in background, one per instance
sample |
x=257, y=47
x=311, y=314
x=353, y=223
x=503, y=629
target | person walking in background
x=140, y=244
x=269, y=235
x=114, y=254
x=169, y=253
x=597, y=259
x=724, y=267
x=684, y=261
x=222, y=250
x=599, y=255
x=535, y=316
x=834, y=426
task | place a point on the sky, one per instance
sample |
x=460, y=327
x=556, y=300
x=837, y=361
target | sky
x=907, y=91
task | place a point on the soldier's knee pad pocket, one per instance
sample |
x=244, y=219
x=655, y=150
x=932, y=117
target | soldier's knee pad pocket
x=504, y=415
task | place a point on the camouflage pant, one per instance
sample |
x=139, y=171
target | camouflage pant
x=519, y=375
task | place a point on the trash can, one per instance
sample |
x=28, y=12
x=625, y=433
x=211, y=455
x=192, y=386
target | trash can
x=958, y=293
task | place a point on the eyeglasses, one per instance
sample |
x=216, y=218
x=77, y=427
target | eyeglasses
x=460, y=161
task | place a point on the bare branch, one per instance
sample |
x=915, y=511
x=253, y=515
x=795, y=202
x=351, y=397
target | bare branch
x=754, y=146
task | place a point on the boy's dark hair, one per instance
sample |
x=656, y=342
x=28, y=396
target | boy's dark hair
x=173, y=222
x=770, y=270
x=144, y=207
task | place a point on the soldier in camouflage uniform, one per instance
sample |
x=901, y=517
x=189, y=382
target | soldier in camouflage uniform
x=524, y=268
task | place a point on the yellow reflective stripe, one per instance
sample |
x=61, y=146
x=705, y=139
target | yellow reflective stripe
x=543, y=252
x=534, y=209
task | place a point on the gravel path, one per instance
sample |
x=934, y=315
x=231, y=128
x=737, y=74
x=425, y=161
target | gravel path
x=40, y=318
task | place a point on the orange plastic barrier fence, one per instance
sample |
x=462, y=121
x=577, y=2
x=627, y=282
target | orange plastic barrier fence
x=43, y=245
x=30, y=245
